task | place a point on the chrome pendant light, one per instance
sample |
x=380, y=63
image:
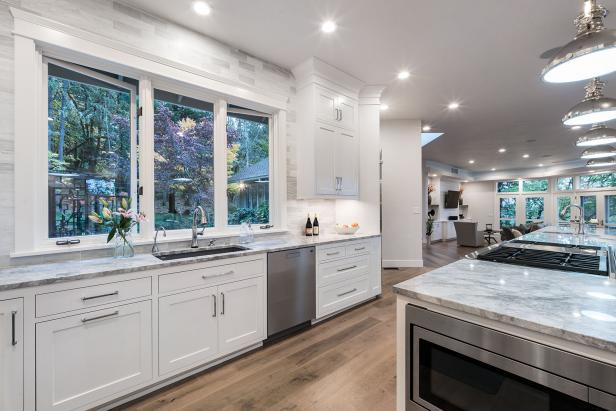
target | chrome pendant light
x=591, y=54
x=599, y=134
x=599, y=152
x=595, y=108
x=604, y=162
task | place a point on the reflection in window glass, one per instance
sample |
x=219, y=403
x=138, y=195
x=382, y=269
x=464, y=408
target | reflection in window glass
x=183, y=159
x=89, y=144
x=610, y=209
x=508, y=186
x=561, y=203
x=564, y=183
x=535, y=185
x=507, y=211
x=247, y=167
x=598, y=180
x=534, y=209
x=589, y=205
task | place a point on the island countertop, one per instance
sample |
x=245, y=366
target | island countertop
x=42, y=274
x=572, y=306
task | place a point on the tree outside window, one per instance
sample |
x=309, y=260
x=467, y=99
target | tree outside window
x=561, y=203
x=564, y=183
x=535, y=185
x=507, y=211
x=598, y=180
x=610, y=209
x=508, y=186
x=535, y=208
x=589, y=205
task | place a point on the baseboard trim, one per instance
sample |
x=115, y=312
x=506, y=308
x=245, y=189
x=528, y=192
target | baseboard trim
x=402, y=263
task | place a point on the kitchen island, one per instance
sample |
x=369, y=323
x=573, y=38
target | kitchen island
x=566, y=313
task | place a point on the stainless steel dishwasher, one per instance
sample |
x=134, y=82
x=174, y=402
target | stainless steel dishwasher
x=291, y=290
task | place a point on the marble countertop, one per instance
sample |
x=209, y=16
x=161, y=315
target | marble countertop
x=573, y=306
x=42, y=274
x=601, y=236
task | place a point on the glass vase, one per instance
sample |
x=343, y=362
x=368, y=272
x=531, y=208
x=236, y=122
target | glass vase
x=123, y=246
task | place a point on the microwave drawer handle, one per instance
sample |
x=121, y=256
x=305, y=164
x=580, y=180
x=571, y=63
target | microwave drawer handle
x=100, y=296
x=522, y=370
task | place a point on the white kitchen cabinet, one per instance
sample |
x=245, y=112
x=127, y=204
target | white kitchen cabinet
x=241, y=314
x=336, y=162
x=328, y=139
x=11, y=355
x=437, y=231
x=87, y=358
x=188, y=329
x=346, y=167
x=449, y=232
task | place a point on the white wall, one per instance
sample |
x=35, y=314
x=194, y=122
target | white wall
x=480, y=198
x=154, y=35
x=402, y=193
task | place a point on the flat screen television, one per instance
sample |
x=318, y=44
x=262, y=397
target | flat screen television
x=452, y=198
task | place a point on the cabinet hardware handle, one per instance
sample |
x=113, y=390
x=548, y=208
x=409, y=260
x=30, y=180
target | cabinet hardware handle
x=337, y=115
x=341, y=186
x=347, y=292
x=215, y=310
x=100, y=317
x=336, y=253
x=229, y=272
x=68, y=241
x=100, y=296
x=340, y=114
x=13, y=328
x=360, y=248
x=347, y=268
x=222, y=295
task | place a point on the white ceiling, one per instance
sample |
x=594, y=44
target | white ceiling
x=484, y=54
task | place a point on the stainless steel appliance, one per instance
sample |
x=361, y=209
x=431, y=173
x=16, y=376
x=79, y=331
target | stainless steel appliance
x=585, y=259
x=291, y=289
x=454, y=365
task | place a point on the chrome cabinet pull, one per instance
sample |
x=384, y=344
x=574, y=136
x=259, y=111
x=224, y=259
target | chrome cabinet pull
x=13, y=328
x=360, y=248
x=229, y=272
x=336, y=253
x=222, y=295
x=100, y=296
x=347, y=292
x=340, y=114
x=100, y=317
x=215, y=310
x=341, y=186
x=347, y=268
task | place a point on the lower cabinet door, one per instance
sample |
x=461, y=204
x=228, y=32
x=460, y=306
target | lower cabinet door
x=188, y=329
x=84, y=360
x=241, y=314
x=11, y=355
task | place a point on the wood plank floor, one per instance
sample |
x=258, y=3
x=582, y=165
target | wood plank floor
x=345, y=363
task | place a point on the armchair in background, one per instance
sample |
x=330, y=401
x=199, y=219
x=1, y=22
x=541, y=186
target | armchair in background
x=467, y=234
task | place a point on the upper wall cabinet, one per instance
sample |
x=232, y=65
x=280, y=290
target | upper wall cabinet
x=328, y=137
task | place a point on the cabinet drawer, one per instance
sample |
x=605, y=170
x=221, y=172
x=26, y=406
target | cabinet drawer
x=331, y=253
x=202, y=276
x=86, y=297
x=357, y=249
x=340, y=270
x=337, y=296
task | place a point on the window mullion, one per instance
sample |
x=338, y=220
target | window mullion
x=220, y=165
x=146, y=155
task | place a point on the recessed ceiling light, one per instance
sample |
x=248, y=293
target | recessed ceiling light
x=403, y=75
x=427, y=127
x=576, y=127
x=540, y=164
x=492, y=169
x=471, y=161
x=201, y=8
x=525, y=156
x=328, y=26
x=454, y=105
x=502, y=150
x=384, y=107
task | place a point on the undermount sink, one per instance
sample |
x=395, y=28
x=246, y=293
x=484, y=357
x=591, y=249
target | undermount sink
x=198, y=252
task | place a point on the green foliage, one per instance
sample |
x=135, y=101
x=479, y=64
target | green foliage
x=564, y=183
x=598, y=180
x=429, y=226
x=589, y=204
x=610, y=209
x=535, y=208
x=535, y=185
x=508, y=186
x=259, y=215
x=561, y=203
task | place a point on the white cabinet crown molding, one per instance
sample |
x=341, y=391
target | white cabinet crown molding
x=315, y=70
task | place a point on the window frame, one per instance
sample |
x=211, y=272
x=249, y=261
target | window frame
x=35, y=37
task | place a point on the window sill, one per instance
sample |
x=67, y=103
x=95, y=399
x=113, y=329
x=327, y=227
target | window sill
x=140, y=241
